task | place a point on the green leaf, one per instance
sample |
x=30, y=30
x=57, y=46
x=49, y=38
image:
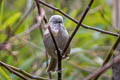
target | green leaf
x=2, y=37
x=57, y=3
x=1, y=11
x=3, y=74
x=25, y=66
x=69, y=23
x=11, y=20
x=10, y=59
x=27, y=63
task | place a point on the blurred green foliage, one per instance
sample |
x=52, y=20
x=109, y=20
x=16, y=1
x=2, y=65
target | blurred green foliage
x=27, y=52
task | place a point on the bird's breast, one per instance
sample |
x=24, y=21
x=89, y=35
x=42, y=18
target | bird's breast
x=61, y=39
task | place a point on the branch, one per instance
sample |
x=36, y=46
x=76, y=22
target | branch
x=59, y=55
x=39, y=12
x=23, y=18
x=110, y=54
x=77, y=27
x=49, y=73
x=58, y=52
x=19, y=23
x=75, y=21
x=5, y=46
x=39, y=19
x=18, y=70
x=12, y=71
x=104, y=68
x=40, y=28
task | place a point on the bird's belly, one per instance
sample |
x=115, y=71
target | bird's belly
x=50, y=46
x=61, y=41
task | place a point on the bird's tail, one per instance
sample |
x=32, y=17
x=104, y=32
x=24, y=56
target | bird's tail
x=52, y=65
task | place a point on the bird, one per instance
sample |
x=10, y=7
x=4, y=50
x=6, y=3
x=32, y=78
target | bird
x=61, y=37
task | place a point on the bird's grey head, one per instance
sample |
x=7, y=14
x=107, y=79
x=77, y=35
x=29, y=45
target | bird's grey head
x=56, y=21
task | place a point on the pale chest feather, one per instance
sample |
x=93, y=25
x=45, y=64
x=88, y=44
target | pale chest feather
x=61, y=39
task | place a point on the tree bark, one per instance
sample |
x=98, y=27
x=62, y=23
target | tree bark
x=116, y=67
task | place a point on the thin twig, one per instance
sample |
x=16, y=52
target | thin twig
x=49, y=73
x=12, y=71
x=58, y=52
x=23, y=18
x=112, y=50
x=19, y=23
x=38, y=7
x=59, y=55
x=40, y=28
x=75, y=21
x=110, y=53
x=39, y=19
x=41, y=31
x=39, y=12
x=25, y=73
x=18, y=70
x=77, y=27
x=104, y=68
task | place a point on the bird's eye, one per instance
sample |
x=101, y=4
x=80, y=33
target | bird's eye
x=55, y=22
x=60, y=21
